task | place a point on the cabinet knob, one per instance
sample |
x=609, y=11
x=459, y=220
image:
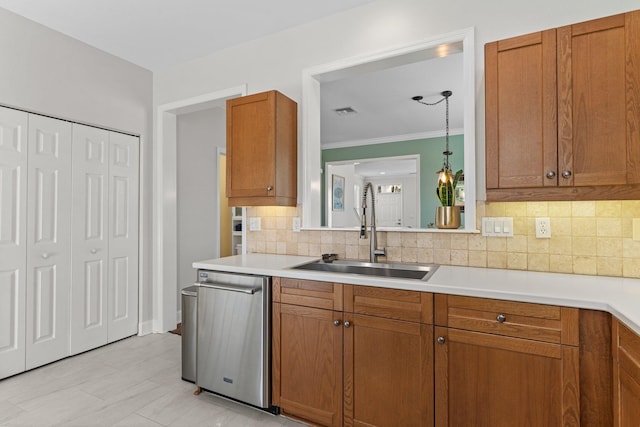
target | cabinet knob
x=269, y=187
x=566, y=174
x=501, y=318
x=45, y=255
x=551, y=174
x=336, y=322
x=347, y=324
x=441, y=340
x=94, y=251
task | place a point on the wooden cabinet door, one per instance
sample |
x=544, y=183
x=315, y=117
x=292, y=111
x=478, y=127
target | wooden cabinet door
x=388, y=372
x=307, y=363
x=489, y=380
x=251, y=145
x=599, y=101
x=626, y=373
x=521, y=138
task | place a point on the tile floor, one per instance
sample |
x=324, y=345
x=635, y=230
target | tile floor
x=134, y=382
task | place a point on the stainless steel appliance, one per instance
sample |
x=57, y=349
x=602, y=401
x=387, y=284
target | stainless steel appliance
x=189, y=322
x=233, y=345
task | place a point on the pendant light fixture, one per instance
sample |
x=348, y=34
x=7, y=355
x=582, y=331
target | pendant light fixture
x=445, y=173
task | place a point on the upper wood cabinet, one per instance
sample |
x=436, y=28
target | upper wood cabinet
x=563, y=112
x=262, y=140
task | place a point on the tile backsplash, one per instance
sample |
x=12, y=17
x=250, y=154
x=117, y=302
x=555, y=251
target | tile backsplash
x=587, y=237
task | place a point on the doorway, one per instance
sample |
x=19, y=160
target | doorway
x=166, y=283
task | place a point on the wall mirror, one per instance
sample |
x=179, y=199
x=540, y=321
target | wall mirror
x=385, y=129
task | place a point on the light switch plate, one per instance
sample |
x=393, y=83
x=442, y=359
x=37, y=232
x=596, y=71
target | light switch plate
x=636, y=229
x=497, y=226
x=254, y=223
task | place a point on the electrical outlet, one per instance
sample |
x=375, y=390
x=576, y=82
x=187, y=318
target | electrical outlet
x=543, y=228
x=296, y=224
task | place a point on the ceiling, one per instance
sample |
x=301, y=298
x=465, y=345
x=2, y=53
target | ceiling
x=384, y=109
x=156, y=34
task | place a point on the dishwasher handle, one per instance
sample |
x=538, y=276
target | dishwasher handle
x=231, y=287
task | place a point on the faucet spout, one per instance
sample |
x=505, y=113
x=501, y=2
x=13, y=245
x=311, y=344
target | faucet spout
x=374, y=252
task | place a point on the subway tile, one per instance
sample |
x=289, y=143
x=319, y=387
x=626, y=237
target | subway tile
x=516, y=260
x=585, y=265
x=561, y=264
x=477, y=258
x=583, y=209
x=609, y=266
x=538, y=262
x=537, y=246
x=582, y=227
x=535, y=209
x=609, y=227
x=560, y=245
x=609, y=209
x=516, y=243
x=584, y=246
x=558, y=209
x=459, y=242
x=496, y=259
x=609, y=247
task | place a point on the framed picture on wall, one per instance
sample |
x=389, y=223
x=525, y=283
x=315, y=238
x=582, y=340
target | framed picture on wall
x=337, y=191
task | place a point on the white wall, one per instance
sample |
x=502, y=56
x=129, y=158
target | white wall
x=347, y=217
x=47, y=72
x=198, y=136
x=277, y=61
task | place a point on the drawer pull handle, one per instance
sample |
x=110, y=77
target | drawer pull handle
x=441, y=340
x=347, y=324
x=336, y=323
x=501, y=318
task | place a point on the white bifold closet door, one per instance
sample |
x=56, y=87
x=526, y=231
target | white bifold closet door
x=104, y=304
x=123, y=235
x=13, y=239
x=89, y=236
x=48, y=240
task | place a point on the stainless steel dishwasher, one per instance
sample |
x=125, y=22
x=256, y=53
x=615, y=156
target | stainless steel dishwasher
x=234, y=343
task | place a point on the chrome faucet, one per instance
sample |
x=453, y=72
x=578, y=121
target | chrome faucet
x=374, y=252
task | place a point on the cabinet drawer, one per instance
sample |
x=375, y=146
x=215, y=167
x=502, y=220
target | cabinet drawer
x=412, y=306
x=308, y=293
x=538, y=322
x=626, y=350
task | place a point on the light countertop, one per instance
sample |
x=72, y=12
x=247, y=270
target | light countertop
x=616, y=295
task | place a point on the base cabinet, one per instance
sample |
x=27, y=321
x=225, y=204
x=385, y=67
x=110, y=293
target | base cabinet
x=626, y=376
x=388, y=372
x=483, y=379
x=504, y=363
x=308, y=365
x=346, y=367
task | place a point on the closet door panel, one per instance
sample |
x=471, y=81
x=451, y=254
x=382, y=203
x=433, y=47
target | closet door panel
x=89, y=236
x=13, y=252
x=48, y=240
x=123, y=236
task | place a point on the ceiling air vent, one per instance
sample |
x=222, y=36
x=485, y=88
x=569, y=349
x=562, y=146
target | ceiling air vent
x=345, y=111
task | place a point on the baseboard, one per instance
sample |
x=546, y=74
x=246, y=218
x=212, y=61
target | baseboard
x=145, y=328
